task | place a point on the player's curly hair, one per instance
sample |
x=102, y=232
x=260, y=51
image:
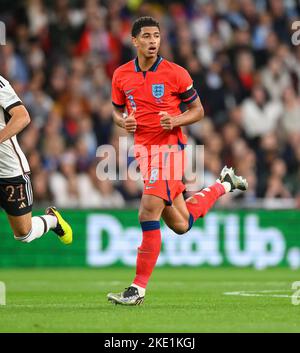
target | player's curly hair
x=145, y=21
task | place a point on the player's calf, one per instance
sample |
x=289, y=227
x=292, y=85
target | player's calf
x=199, y=204
x=27, y=228
x=179, y=228
x=20, y=225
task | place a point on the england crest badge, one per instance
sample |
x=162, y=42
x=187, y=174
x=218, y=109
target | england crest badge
x=158, y=90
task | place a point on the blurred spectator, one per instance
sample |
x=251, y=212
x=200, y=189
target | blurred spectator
x=13, y=65
x=64, y=184
x=108, y=196
x=290, y=118
x=38, y=103
x=275, y=78
x=41, y=190
x=260, y=116
x=130, y=191
x=276, y=188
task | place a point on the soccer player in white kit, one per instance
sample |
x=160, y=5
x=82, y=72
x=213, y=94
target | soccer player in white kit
x=16, y=197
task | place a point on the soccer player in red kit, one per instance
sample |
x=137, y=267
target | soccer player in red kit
x=150, y=89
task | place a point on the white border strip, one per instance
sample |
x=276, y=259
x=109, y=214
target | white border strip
x=260, y=293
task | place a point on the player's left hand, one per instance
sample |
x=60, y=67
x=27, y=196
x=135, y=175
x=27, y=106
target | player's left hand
x=166, y=121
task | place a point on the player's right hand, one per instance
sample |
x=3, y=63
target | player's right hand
x=130, y=122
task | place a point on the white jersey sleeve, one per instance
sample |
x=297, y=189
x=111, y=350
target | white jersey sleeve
x=8, y=96
x=13, y=162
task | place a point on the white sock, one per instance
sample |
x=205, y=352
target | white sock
x=141, y=290
x=40, y=226
x=227, y=186
x=51, y=221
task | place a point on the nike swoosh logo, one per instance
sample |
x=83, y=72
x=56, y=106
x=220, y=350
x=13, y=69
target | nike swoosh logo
x=150, y=187
x=130, y=90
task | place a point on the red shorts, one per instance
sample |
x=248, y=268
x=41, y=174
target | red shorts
x=162, y=174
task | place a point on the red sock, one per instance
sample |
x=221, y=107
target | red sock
x=206, y=198
x=148, y=252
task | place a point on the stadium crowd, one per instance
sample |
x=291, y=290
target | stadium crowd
x=60, y=56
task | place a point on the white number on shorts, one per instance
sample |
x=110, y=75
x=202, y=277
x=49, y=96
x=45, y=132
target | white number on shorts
x=153, y=176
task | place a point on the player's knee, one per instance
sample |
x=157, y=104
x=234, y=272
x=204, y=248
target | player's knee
x=180, y=228
x=24, y=238
x=148, y=213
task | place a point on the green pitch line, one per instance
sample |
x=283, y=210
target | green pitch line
x=178, y=300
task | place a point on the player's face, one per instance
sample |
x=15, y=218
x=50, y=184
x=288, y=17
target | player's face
x=147, y=41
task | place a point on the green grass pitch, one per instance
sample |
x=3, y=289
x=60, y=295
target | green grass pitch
x=178, y=300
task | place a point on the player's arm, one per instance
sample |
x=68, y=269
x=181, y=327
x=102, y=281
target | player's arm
x=194, y=113
x=19, y=120
x=122, y=120
x=188, y=95
x=127, y=122
x=118, y=116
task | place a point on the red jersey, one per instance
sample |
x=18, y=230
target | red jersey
x=162, y=88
